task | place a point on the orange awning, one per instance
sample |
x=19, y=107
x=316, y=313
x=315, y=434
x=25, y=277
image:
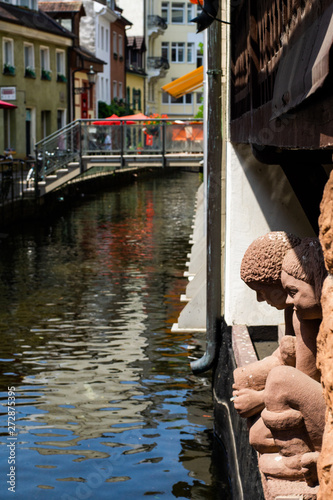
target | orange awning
x=185, y=84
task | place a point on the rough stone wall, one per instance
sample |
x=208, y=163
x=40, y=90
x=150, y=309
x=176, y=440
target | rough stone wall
x=325, y=342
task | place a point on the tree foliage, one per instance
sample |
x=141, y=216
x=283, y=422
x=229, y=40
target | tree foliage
x=117, y=107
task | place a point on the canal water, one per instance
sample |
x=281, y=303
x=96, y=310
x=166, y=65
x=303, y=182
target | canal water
x=106, y=406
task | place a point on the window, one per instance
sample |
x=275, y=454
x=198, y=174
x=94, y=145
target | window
x=120, y=90
x=199, y=58
x=177, y=13
x=102, y=88
x=107, y=90
x=61, y=116
x=106, y=40
x=114, y=89
x=115, y=39
x=60, y=59
x=45, y=63
x=185, y=99
x=31, y=4
x=165, y=11
x=177, y=52
x=46, y=123
x=120, y=46
x=136, y=99
x=45, y=58
x=8, y=56
x=190, y=52
x=60, y=62
x=29, y=60
x=165, y=50
x=190, y=12
x=199, y=97
x=102, y=38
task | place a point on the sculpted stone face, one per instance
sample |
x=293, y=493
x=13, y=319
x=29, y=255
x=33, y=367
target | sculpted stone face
x=272, y=293
x=302, y=296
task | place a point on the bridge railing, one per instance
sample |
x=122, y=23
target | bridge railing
x=118, y=138
x=142, y=137
x=59, y=148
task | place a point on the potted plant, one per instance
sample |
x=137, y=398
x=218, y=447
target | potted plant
x=61, y=78
x=30, y=72
x=46, y=74
x=8, y=69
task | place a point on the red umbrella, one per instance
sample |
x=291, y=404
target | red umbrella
x=4, y=105
x=106, y=122
x=116, y=120
x=137, y=116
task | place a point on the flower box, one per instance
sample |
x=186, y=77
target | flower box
x=61, y=78
x=46, y=75
x=30, y=73
x=8, y=69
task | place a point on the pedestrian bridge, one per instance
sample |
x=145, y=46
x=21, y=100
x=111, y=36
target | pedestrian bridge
x=89, y=147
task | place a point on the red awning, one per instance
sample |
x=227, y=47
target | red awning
x=5, y=105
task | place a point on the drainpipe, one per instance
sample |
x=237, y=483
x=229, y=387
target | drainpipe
x=213, y=199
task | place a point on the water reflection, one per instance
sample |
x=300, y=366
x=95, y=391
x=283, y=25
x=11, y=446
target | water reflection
x=104, y=390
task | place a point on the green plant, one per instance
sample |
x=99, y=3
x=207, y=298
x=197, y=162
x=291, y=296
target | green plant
x=30, y=72
x=46, y=75
x=117, y=107
x=61, y=78
x=8, y=69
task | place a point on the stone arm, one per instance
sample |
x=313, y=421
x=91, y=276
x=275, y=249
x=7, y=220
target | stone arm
x=254, y=375
x=250, y=380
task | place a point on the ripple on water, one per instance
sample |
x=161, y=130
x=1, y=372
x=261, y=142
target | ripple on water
x=104, y=393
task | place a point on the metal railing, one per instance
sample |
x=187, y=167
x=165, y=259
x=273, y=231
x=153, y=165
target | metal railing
x=59, y=149
x=119, y=137
x=142, y=137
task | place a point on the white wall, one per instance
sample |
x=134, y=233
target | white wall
x=259, y=199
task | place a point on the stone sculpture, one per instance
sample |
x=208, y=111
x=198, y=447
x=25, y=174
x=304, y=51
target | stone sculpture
x=261, y=271
x=325, y=343
x=288, y=431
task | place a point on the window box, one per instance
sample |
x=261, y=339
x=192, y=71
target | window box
x=121, y=58
x=8, y=69
x=46, y=75
x=115, y=55
x=61, y=78
x=30, y=73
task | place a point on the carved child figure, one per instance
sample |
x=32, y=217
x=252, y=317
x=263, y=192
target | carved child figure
x=294, y=403
x=289, y=431
x=261, y=271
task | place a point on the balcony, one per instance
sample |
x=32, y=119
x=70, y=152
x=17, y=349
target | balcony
x=156, y=26
x=157, y=67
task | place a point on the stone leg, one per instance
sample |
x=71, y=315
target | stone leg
x=295, y=415
x=260, y=436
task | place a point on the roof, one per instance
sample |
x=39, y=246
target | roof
x=137, y=42
x=36, y=20
x=60, y=7
x=87, y=56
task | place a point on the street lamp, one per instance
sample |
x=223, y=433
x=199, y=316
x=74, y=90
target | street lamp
x=91, y=77
x=91, y=80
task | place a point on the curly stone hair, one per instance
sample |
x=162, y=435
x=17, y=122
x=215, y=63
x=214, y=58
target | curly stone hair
x=262, y=260
x=306, y=262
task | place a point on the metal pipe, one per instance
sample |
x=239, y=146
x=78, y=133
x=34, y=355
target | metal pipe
x=213, y=201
